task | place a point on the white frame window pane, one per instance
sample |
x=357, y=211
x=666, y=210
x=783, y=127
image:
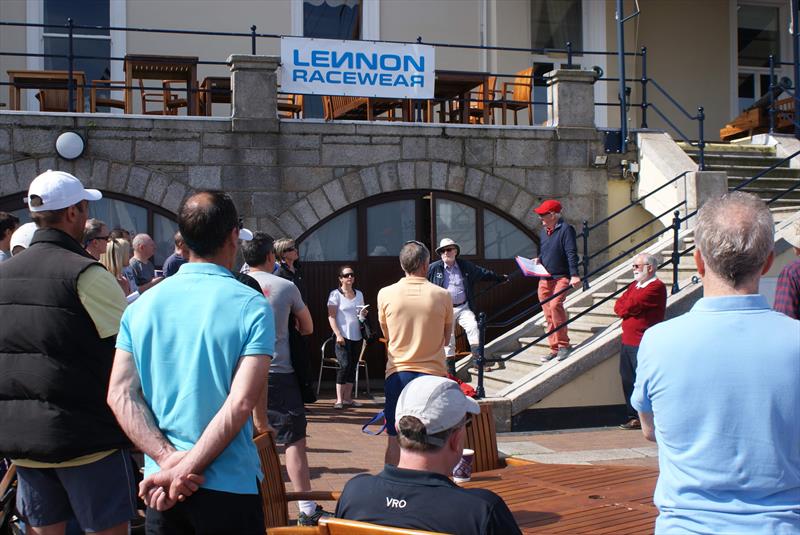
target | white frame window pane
x=554, y=22
x=502, y=239
x=164, y=230
x=456, y=221
x=120, y=214
x=389, y=226
x=336, y=240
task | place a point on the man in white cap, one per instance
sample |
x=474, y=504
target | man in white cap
x=21, y=239
x=61, y=311
x=432, y=416
x=787, y=292
x=8, y=224
x=458, y=277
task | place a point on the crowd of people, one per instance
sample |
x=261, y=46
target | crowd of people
x=101, y=353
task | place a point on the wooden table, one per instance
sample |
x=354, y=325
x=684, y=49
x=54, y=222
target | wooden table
x=459, y=85
x=156, y=67
x=19, y=80
x=570, y=499
x=214, y=90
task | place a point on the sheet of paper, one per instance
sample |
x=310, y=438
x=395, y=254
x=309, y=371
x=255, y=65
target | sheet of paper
x=530, y=268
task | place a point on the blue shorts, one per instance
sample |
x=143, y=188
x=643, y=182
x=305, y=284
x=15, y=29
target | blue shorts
x=392, y=386
x=100, y=495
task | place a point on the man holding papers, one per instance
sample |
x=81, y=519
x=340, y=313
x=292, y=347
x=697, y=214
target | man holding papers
x=559, y=256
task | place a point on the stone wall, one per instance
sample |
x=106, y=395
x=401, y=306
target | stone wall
x=286, y=176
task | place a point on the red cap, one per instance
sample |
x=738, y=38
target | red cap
x=548, y=206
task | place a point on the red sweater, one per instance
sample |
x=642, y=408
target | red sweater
x=640, y=309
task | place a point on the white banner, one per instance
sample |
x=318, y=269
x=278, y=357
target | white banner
x=356, y=68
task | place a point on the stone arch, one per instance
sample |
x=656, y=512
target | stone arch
x=318, y=204
x=117, y=177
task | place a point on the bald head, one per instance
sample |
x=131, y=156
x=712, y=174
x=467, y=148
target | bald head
x=735, y=235
x=205, y=221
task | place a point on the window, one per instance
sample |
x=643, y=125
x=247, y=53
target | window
x=758, y=35
x=554, y=22
x=456, y=221
x=93, y=44
x=118, y=213
x=502, y=239
x=336, y=240
x=389, y=226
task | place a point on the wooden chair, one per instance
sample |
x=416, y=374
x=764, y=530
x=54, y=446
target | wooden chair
x=516, y=95
x=103, y=101
x=340, y=526
x=482, y=438
x=273, y=491
x=476, y=103
x=6, y=483
x=170, y=103
x=174, y=102
x=290, y=106
x=330, y=362
x=53, y=100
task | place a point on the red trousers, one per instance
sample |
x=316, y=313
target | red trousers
x=554, y=311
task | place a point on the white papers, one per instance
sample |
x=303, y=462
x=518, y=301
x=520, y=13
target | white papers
x=530, y=268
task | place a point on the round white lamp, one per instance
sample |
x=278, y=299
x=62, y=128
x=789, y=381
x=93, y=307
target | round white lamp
x=70, y=145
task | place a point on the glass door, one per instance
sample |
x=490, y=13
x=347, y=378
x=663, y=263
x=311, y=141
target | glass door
x=761, y=31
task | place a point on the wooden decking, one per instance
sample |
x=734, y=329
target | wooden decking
x=570, y=499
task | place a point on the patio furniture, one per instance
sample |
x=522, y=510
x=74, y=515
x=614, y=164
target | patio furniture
x=49, y=83
x=756, y=120
x=96, y=100
x=477, y=104
x=516, y=95
x=329, y=362
x=214, y=90
x=274, y=497
x=459, y=86
x=290, y=106
x=362, y=108
x=164, y=68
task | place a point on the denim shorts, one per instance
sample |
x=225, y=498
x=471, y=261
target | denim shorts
x=392, y=387
x=100, y=495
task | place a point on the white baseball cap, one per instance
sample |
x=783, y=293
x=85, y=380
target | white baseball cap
x=437, y=402
x=22, y=236
x=58, y=190
x=245, y=234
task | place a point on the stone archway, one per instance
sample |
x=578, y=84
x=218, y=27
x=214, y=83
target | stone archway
x=396, y=176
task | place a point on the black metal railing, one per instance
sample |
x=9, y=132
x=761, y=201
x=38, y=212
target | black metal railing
x=676, y=254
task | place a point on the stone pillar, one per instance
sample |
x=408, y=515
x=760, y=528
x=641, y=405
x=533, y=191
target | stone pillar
x=571, y=94
x=701, y=186
x=254, y=85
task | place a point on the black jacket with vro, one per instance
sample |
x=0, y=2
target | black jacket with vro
x=54, y=367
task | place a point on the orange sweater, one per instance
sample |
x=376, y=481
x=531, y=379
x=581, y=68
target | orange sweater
x=414, y=316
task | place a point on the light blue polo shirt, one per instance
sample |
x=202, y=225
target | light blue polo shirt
x=186, y=335
x=723, y=384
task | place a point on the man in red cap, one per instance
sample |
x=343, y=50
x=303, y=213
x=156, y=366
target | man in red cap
x=559, y=255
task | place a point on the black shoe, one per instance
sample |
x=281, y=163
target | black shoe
x=631, y=424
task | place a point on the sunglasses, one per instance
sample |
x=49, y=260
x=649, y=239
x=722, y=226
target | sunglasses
x=347, y=275
x=448, y=249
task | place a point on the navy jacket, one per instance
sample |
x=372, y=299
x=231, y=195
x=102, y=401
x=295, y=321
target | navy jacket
x=472, y=273
x=559, y=251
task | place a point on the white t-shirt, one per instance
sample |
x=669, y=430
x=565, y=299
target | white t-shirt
x=347, y=313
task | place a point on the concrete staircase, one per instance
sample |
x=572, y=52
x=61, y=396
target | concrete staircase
x=521, y=382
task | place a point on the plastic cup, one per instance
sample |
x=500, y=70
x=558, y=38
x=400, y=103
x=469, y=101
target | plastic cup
x=463, y=470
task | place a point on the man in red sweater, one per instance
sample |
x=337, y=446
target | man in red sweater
x=641, y=306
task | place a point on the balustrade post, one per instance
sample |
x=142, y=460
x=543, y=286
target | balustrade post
x=585, y=255
x=253, y=39
x=676, y=257
x=701, y=143
x=644, y=87
x=70, y=67
x=480, y=391
x=771, y=94
x=569, y=54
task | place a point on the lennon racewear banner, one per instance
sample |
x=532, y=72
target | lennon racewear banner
x=356, y=68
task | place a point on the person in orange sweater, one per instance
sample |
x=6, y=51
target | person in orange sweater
x=641, y=306
x=416, y=318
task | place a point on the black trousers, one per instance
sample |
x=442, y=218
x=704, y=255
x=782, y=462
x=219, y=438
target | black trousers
x=209, y=512
x=347, y=355
x=627, y=371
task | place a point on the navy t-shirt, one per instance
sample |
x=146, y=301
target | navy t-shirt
x=417, y=499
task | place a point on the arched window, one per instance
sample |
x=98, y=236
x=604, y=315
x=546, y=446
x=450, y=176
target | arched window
x=118, y=211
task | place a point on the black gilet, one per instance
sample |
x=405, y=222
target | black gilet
x=54, y=367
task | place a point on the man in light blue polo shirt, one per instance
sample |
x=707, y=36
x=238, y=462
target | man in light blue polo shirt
x=719, y=388
x=191, y=366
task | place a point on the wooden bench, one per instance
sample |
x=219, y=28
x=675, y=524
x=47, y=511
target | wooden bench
x=360, y=108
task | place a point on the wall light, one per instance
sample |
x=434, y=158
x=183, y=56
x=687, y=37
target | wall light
x=70, y=145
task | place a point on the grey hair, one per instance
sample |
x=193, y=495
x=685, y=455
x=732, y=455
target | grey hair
x=140, y=239
x=650, y=259
x=92, y=230
x=413, y=256
x=735, y=234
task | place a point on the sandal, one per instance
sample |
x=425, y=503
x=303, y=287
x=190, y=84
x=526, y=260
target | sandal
x=338, y=406
x=352, y=403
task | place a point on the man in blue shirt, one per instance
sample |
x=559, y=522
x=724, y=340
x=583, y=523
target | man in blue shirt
x=719, y=388
x=192, y=362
